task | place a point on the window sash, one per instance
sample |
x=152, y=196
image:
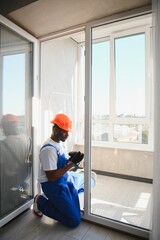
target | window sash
x=113, y=119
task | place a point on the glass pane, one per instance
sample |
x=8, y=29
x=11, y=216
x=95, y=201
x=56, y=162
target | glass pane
x=14, y=65
x=131, y=133
x=130, y=76
x=123, y=188
x=100, y=79
x=100, y=89
x=15, y=127
x=100, y=130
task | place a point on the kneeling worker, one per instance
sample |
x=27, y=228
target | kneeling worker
x=61, y=200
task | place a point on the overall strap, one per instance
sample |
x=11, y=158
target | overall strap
x=50, y=145
x=62, y=161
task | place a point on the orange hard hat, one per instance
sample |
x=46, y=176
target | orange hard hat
x=63, y=121
x=9, y=118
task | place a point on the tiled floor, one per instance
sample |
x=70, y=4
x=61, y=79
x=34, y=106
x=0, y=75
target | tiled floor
x=123, y=200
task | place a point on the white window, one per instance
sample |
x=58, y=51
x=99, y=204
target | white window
x=122, y=94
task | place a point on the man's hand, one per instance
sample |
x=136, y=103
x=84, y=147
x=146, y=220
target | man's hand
x=76, y=157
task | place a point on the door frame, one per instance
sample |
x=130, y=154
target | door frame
x=34, y=113
x=88, y=113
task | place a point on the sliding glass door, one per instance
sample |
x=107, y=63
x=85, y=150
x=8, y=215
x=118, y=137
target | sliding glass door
x=15, y=122
x=119, y=125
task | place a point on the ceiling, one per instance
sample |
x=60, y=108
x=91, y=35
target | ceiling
x=43, y=17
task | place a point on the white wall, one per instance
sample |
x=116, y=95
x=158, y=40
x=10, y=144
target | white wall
x=58, y=79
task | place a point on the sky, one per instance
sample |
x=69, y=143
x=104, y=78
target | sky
x=129, y=75
x=14, y=84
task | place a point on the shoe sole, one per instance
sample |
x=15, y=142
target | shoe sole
x=37, y=214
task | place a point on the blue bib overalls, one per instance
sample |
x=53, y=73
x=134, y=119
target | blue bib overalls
x=62, y=202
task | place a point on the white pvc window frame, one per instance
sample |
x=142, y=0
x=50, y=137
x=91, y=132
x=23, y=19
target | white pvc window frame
x=35, y=110
x=87, y=141
x=148, y=119
x=140, y=25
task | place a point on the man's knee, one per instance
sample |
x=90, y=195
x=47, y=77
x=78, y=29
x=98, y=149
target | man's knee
x=74, y=223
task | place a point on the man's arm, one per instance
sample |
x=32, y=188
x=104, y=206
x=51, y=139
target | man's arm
x=53, y=175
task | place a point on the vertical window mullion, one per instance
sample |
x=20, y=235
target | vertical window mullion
x=147, y=76
x=112, y=90
x=149, y=87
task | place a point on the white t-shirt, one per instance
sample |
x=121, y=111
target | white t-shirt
x=48, y=158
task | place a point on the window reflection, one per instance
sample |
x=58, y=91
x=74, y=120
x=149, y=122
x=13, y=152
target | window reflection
x=13, y=83
x=16, y=151
x=15, y=121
